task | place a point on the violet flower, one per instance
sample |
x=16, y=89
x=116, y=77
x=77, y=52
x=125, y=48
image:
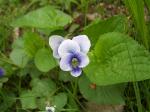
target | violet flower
x=1, y=72
x=73, y=54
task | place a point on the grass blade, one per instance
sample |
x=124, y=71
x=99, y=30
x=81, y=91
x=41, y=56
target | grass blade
x=147, y=2
x=136, y=8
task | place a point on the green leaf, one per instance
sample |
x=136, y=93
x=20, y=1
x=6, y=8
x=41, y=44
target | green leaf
x=46, y=17
x=28, y=100
x=19, y=57
x=18, y=43
x=43, y=87
x=41, y=103
x=44, y=60
x=32, y=43
x=99, y=27
x=118, y=58
x=34, y=72
x=60, y=100
x=112, y=94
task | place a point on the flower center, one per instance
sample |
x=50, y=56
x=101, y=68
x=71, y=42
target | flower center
x=74, y=62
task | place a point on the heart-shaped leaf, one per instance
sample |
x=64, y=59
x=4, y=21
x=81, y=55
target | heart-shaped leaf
x=19, y=57
x=43, y=87
x=28, y=100
x=118, y=58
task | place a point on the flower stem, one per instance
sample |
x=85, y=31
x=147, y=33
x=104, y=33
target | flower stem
x=75, y=87
x=85, y=13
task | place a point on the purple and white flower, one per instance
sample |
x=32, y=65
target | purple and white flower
x=1, y=72
x=72, y=53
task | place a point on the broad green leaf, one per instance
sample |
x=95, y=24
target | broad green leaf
x=18, y=43
x=99, y=27
x=136, y=8
x=19, y=57
x=43, y=87
x=32, y=43
x=44, y=60
x=112, y=94
x=45, y=17
x=60, y=100
x=28, y=100
x=118, y=58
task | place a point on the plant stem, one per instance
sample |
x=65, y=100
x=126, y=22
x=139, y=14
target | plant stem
x=75, y=87
x=137, y=94
x=74, y=97
x=85, y=12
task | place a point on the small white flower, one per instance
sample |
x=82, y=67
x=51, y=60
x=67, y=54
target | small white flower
x=50, y=109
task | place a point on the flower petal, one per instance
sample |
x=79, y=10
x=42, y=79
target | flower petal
x=76, y=72
x=83, y=58
x=68, y=46
x=83, y=42
x=54, y=42
x=55, y=54
x=65, y=62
